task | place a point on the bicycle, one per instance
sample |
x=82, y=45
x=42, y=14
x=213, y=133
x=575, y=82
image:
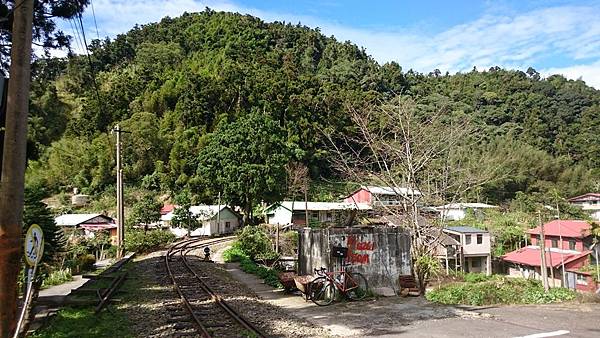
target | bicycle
x=324, y=289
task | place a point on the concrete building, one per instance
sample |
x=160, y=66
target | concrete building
x=458, y=211
x=589, y=203
x=469, y=252
x=215, y=220
x=378, y=196
x=568, y=243
x=294, y=213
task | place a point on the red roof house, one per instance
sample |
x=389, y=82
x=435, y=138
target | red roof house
x=167, y=208
x=565, y=228
x=566, y=242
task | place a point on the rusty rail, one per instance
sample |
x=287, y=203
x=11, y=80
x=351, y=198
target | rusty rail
x=183, y=248
x=111, y=289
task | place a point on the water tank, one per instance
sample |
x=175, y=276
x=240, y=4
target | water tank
x=80, y=200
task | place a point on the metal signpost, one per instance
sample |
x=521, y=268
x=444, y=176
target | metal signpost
x=34, y=250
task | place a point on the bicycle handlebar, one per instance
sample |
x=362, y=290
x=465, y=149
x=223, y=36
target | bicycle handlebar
x=320, y=271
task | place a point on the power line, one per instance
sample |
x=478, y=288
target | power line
x=94, y=15
x=90, y=63
x=76, y=35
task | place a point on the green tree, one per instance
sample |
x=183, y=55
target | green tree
x=182, y=215
x=246, y=161
x=36, y=212
x=44, y=27
x=146, y=211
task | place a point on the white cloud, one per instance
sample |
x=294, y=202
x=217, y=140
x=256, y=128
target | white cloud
x=590, y=73
x=531, y=38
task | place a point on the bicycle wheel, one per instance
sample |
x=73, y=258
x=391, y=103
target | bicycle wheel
x=359, y=286
x=322, y=291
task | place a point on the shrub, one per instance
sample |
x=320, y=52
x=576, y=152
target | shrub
x=476, y=277
x=498, y=290
x=289, y=243
x=254, y=241
x=86, y=262
x=140, y=241
x=235, y=254
x=57, y=277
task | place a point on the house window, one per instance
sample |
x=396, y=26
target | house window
x=581, y=279
x=479, y=239
x=467, y=239
x=227, y=225
x=314, y=215
x=329, y=216
x=555, y=243
x=571, y=245
x=476, y=262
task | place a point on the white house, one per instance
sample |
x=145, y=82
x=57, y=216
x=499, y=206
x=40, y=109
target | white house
x=87, y=224
x=589, y=203
x=215, y=220
x=458, y=211
x=288, y=212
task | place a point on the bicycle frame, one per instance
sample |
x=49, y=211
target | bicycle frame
x=346, y=280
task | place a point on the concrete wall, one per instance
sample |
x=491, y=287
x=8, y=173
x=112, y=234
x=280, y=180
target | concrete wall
x=380, y=254
x=476, y=249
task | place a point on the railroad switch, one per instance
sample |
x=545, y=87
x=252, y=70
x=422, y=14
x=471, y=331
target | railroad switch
x=207, y=254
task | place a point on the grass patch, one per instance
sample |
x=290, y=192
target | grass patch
x=235, y=254
x=57, y=277
x=498, y=290
x=82, y=322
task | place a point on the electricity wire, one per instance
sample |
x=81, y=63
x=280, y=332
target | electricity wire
x=94, y=16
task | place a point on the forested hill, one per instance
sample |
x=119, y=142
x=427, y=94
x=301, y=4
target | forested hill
x=172, y=83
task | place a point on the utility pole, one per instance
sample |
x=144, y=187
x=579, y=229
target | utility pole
x=13, y=165
x=562, y=256
x=543, y=268
x=305, y=206
x=219, y=215
x=120, y=208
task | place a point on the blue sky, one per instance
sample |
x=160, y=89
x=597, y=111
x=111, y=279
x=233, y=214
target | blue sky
x=553, y=36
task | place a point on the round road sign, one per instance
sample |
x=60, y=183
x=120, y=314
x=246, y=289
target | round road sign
x=34, y=245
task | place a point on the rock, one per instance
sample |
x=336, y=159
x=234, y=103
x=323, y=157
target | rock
x=384, y=291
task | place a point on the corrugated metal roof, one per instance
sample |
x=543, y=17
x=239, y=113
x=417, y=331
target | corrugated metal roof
x=564, y=228
x=466, y=206
x=465, y=230
x=531, y=255
x=322, y=206
x=74, y=219
x=591, y=196
x=379, y=190
x=202, y=212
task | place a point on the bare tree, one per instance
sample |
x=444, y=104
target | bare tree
x=297, y=182
x=424, y=157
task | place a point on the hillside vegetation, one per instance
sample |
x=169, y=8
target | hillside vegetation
x=184, y=86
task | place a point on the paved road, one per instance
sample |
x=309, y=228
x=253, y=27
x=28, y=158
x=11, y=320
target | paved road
x=416, y=317
x=582, y=320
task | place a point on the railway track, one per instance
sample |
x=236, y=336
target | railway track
x=205, y=313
